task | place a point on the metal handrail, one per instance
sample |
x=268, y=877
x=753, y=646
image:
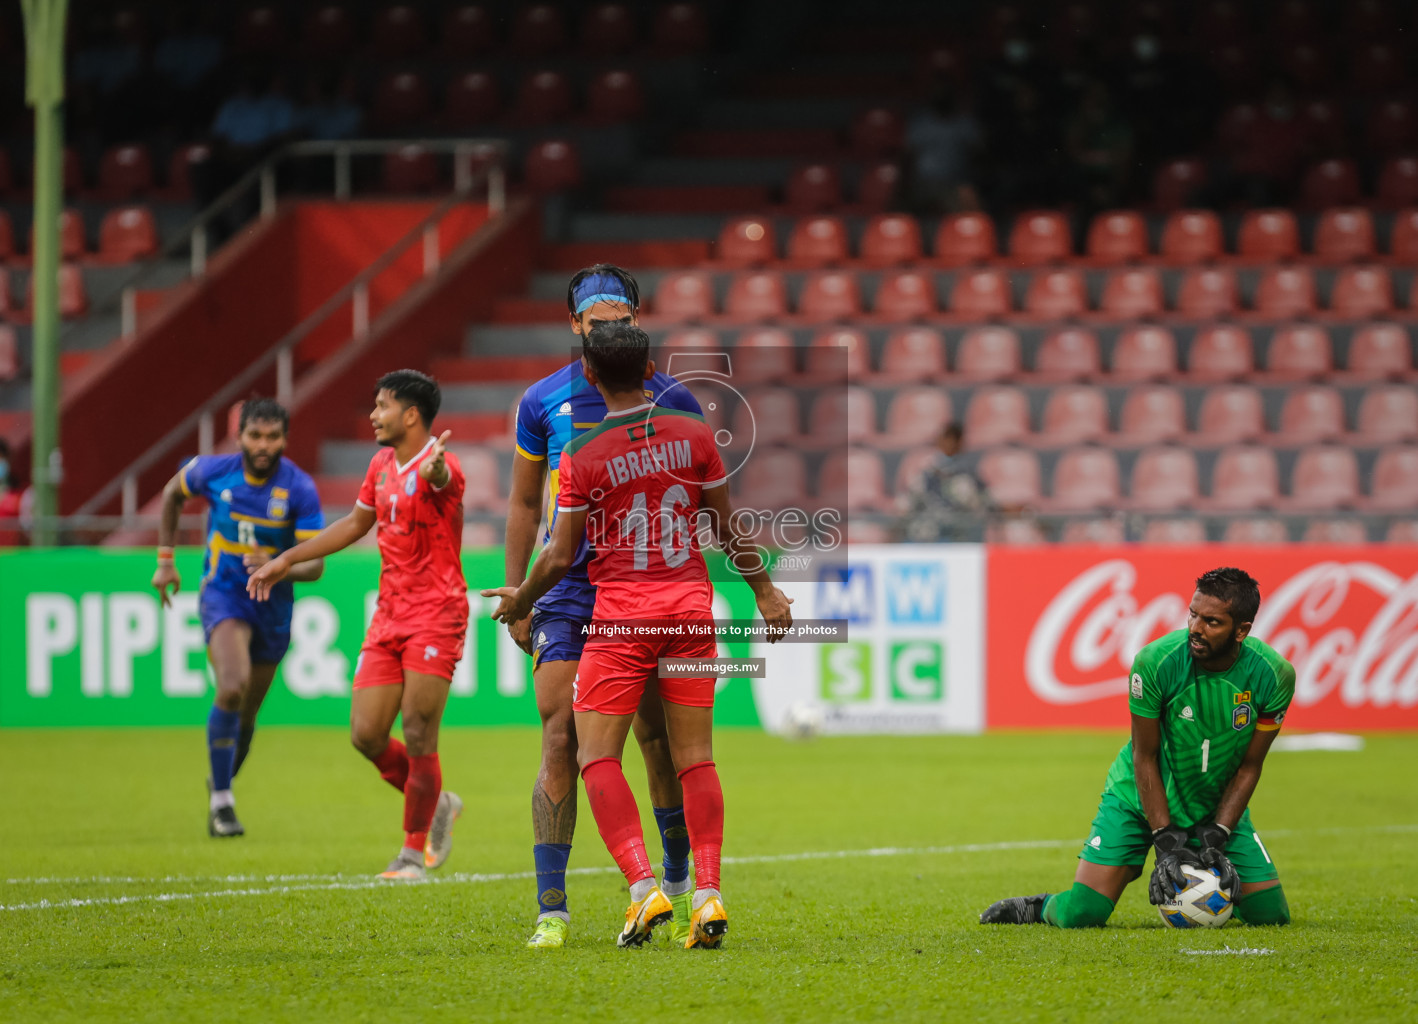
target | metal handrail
x=281, y=353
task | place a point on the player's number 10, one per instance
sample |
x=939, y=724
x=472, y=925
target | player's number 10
x=674, y=538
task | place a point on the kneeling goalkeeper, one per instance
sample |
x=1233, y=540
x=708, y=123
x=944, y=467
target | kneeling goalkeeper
x=1206, y=703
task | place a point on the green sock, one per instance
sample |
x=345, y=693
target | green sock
x=1080, y=907
x=1264, y=906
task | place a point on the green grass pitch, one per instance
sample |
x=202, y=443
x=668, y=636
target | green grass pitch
x=286, y=924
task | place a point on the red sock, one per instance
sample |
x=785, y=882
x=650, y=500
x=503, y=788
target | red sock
x=704, y=814
x=393, y=764
x=617, y=817
x=421, y=798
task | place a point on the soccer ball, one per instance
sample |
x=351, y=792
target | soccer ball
x=1202, y=904
x=801, y=721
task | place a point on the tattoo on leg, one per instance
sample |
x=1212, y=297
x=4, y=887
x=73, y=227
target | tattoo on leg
x=553, y=821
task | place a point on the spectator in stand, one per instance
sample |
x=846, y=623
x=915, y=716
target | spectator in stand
x=10, y=497
x=329, y=111
x=248, y=126
x=191, y=50
x=1100, y=144
x=103, y=61
x=949, y=502
x=944, y=140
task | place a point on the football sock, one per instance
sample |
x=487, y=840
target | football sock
x=243, y=746
x=639, y=890
x=703, y=896
x=421, y=791
x=674, y=840
x=617, y=817
x=704, y=814
x=1080, y=907
x=1264, y=906
x=393, y=764
x=551, y=859
x=222, y=727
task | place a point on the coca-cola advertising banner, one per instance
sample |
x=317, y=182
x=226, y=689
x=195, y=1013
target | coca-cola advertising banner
x=1064, y=623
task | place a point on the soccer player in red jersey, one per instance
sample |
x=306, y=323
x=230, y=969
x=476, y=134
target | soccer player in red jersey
x=635, y=487
x=414, y=491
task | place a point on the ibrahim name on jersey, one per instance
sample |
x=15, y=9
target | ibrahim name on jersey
x=1206, y=720
x=552, y=412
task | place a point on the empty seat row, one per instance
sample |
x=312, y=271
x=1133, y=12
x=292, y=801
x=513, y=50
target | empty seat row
x=1283, y=291
x=1045, y=236
x=475, y=98
x=73, y=296
x=125, y=172
x=1218, y=352
x=126, y=233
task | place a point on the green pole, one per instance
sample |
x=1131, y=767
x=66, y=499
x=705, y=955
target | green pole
x=44, y=90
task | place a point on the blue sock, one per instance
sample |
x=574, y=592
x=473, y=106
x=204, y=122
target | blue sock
x=551, y=861
x=675, y=838
x=223, y=727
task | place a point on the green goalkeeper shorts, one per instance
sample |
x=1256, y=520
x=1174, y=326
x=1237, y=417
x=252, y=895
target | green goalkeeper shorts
x=1120, y=836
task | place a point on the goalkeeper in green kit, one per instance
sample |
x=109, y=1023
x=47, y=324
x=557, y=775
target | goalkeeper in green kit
x=1206, y=703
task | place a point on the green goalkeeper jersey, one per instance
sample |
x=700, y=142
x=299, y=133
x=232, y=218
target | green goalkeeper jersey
x=1206, y=720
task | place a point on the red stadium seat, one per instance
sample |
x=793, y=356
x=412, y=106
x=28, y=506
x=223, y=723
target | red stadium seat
x=396, y=32
x=1117, y=236
x=260, y=31
x=400, y=100
x=757, y=295
x=1141, y=353
x=876, y=132
x=1012, y=476
x=1335, y=531
x=911, y=466
x=913, y=354
x=989, y=353
x=1392, y=128
x=1388, y=413
x=1086, y=478
x=468, y=30
x=1074, y=415
x=764, y=354
x=1403, y=242
x=831, y=295
x=72, y=245
x=688, y=295
x=1402, y=533
x=484, y=488
x=127, y=233
x=9, y=352
x=769, y=416
x=7, y=299
x=1175, y=184
x=1094, y=531
x=1056, y=294
x=125, y=172
x=411, y=168
x=1396, y=479
x=179, y=169
x=1325, y=477
x=1380, y=350
x=1299, y=351
x=818, y=242
x=1151, y=415
x=329, y=32
x=1286, y=292
x=692, y=338
x=891, y=238
x=1345, y=234
x=1192, y=236
x=905, y=295
x=7, y=237
x=1245, y=477
x=1069, y=354
x=842, y=414
x=773, y=479
x=543, y=97
x=980, y=294
x=615, y=96
x=996, y=415
x=1174, y=531
x=1362, y=292
x=537, y=29
x=855, y=478
x=1324, y=125
x=813, y=188
x=1311, y=414
x=680, y=28
x=878, y=185
x=1229, y=413
x=1256, y=531
x=472, y=98
x=1398, y=183
x=1133, y=293
x=1208, y=292
x=1164, y=478
x=747, y=242
x=1331, y=183
x=837, y=356
x=553, y=165
x=607, y=28
x=964, y=238
x=1040, y=236
x=1269, y=235
x=916, y=415
x=1222, y=352
x=1306, y=65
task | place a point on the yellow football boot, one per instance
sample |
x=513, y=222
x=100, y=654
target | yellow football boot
x=708, y=925
x=642, y=918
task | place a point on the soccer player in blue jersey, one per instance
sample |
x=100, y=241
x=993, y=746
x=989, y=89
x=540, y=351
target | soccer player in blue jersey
x=260, y=504
x=553, y=411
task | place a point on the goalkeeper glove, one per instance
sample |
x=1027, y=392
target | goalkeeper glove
x=1213, y=838
x=1170, y=844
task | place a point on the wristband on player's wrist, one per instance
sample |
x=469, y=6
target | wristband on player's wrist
x=165, y=555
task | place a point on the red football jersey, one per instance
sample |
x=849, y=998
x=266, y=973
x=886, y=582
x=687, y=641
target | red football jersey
x=420, y=543
x=639, y=475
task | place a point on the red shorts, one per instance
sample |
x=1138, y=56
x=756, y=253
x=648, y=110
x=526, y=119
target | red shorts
x=612, y=674
x=384, y=659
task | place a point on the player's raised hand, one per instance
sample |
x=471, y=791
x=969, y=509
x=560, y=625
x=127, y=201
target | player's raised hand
x=166, y=576
x=512, y=608
x=773, y=605
x=434, y=468
x=267, y=576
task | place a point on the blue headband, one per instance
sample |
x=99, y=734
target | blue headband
x=599, y=288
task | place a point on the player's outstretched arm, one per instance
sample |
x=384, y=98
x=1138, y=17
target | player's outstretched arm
x=336, y=537
x=551, y=565
x=745, y=557
x=524, y=518
x=174, y=496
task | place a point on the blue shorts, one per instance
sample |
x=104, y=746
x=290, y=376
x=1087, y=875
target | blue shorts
x=557, y=637
x=269, y=620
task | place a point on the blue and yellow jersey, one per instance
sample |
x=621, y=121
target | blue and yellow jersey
x=553, y=411
x=246, y=515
